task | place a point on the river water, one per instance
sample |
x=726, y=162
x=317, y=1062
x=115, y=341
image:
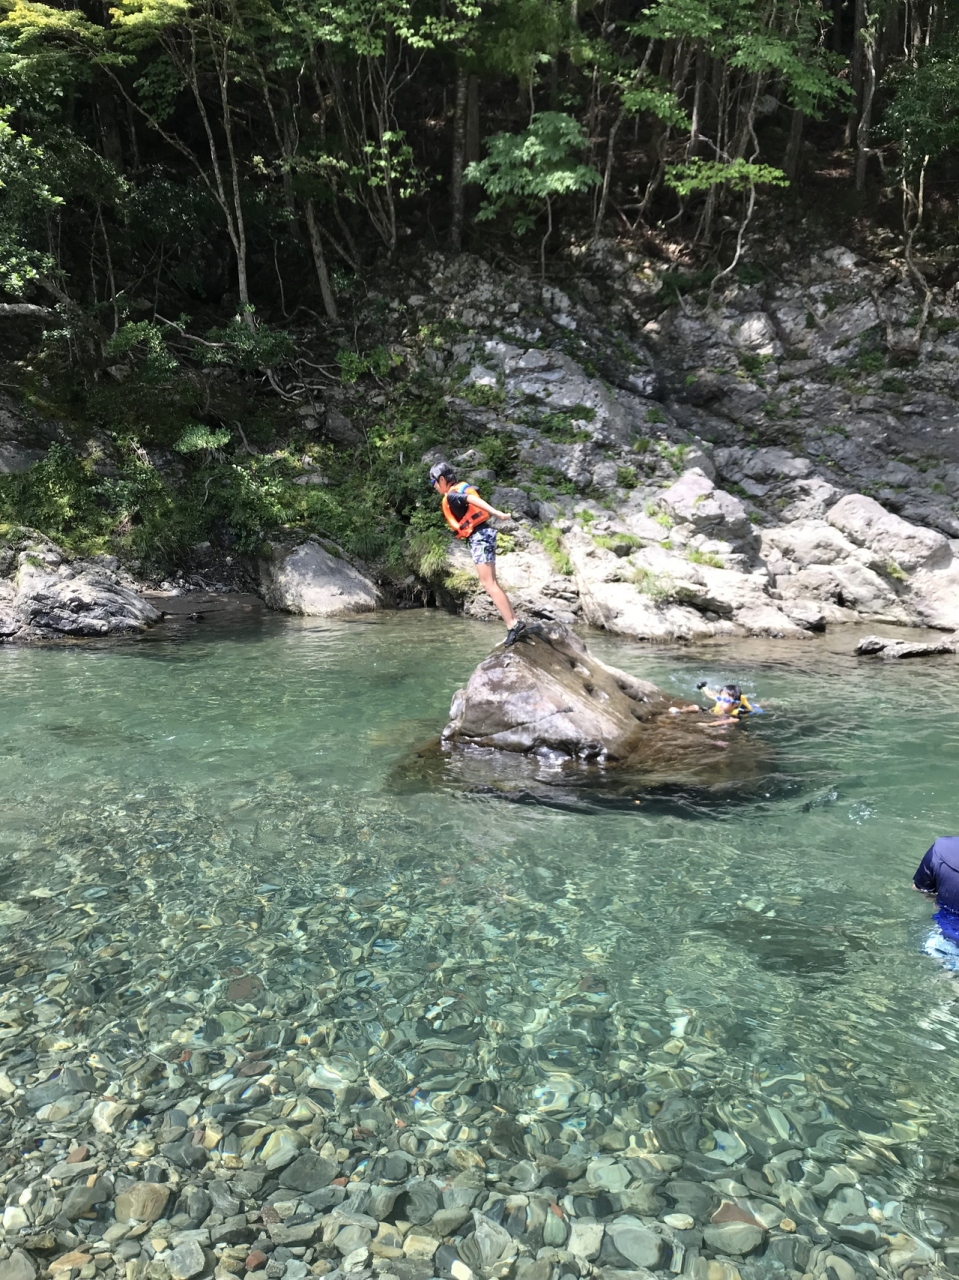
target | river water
x=209, y=826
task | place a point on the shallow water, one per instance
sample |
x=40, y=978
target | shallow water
x=179, y=815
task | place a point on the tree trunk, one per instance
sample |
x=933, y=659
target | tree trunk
x=110, y=140
x=857, y=69
x=242, y=274
x=863, y=132
x=319, y=259
x=695, y=129
x=459, y=159
x=472, y=120
x=794, y=145
x=549, y=232
x=836, y=33
x=607, y=176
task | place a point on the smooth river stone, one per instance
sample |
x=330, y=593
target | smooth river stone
x=419, y=1244
x=525, y=1176
x=864, y=1235
x=533, y=1269
x=309, y=1172
x=734, y=1237
x=837, y=1175
x=606, y=1174
x=352, y=1237
x=107, y=1116
x=729, y=1147
x=689, y=1197
x=81, y=1198
x=585, y=1238
x=849, y=1202
x=185, y=1260
x=19, y=1266
x=679, y=1221
x=641, y=1200
x=636, y=1242
x=488, y=1245
x=420, y=1202
x=448, y=1221
x=282, y=1146
x=555, y=1230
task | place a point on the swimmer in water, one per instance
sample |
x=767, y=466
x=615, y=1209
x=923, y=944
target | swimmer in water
x=729, y=703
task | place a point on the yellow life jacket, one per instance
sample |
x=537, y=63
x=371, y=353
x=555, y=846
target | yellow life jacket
x=736, y=709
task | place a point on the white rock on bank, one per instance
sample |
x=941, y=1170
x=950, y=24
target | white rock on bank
x=934, y=596
x=921, y=559
x=846, y=586
x=54, y=597
x=528, y=576
x=695, y=500
x=768, y=620
x=890, y=538
x=621, y=608
x=309, y=580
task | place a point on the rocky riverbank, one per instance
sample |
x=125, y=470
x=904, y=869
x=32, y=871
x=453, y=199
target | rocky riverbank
x=771, y=459
x=755, y=463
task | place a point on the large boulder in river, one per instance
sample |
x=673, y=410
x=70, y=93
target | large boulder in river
x=50, y=596
x=310, y=580
x=546, y=720
x=549, y=693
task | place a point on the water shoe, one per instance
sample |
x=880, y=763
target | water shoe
x=514, y=633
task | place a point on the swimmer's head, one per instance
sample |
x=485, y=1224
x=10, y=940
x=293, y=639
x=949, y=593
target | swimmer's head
x=730, y=693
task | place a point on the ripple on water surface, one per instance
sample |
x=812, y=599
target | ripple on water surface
x=212, y=897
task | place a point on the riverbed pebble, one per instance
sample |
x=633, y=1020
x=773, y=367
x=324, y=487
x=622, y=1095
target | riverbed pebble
x=375, y=1103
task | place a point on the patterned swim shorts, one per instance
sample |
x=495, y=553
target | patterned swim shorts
x=482, y=544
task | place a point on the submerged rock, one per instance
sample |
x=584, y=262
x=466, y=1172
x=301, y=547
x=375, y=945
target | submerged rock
x=310, y=580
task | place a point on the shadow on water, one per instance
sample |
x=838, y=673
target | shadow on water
x=790, y=948
x=679, y=769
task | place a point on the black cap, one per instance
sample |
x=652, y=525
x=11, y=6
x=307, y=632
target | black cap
x=442, y=470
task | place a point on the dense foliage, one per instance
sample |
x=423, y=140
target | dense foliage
x=185, y=183
x=261, y=152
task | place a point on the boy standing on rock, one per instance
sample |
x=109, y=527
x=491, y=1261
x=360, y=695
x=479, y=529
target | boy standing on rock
x=468, y=516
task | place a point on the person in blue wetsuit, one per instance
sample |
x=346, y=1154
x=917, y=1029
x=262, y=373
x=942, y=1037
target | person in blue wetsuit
x=938, y=876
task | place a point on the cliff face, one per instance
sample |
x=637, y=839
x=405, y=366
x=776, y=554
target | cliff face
x=778, y=458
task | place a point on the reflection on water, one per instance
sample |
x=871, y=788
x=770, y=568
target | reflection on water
x=210, y=831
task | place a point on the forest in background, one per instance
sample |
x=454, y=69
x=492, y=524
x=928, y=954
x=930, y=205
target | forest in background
x=194, y=195
x=265, y=153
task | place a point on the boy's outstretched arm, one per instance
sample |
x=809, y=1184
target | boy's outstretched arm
x=477, y=501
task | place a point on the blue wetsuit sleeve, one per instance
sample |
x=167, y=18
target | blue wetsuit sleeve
x=925, y=877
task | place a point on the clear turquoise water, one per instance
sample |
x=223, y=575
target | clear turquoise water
x=173, y=814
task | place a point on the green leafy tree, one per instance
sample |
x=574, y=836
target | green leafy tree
x=524, y=173
x=26, y=199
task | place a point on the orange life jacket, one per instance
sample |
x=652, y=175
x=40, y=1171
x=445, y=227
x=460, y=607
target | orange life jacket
x=460, y=514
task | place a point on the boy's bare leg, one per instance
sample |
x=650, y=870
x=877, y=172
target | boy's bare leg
x=487, y=576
